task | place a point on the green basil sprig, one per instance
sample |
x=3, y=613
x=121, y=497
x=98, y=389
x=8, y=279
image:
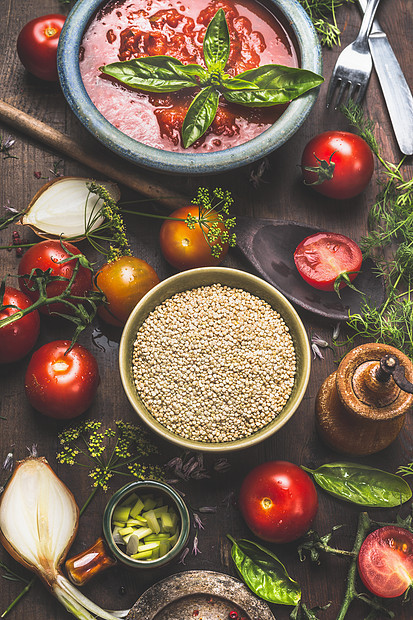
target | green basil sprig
x=263, y=573
x=262, y=87
x=361, y=484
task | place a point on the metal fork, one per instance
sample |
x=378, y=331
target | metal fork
x=353, y=67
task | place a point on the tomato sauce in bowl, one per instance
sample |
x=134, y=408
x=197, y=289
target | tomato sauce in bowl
x=126, y=29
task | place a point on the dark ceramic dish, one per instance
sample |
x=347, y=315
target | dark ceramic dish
x=269, y=247
x=185, y=163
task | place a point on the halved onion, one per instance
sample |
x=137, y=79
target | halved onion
x=38, y=522
x=65, y=208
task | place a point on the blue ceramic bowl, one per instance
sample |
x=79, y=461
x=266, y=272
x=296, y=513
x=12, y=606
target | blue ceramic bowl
x=185, y=163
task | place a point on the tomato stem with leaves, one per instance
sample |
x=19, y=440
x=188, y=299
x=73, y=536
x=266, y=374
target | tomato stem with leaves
x=263, y=86
x=316, y=544
x=83, y=308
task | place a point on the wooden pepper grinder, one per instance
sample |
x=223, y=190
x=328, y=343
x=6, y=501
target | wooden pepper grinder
x=360, y=408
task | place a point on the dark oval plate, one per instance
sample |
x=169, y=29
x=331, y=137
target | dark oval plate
x=269, y=247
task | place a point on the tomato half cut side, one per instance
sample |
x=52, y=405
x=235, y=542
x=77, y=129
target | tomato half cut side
x=385, y=561
x=326, y=259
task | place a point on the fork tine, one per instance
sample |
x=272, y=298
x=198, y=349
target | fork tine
x=351, y=92
x=362, y=92
x=343, y=86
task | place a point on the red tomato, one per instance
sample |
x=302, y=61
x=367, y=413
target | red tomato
x=385, y=561
x=19, y=337
x=50, y=255
x=328, y=261
x=278, y=501
x=59, y=384
x=37, y=46
x=337, y=164
x=124, y=282
x=186, y=248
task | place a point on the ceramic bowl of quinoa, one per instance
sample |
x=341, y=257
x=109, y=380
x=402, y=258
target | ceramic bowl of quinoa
x=146, y=127
x=214, y=359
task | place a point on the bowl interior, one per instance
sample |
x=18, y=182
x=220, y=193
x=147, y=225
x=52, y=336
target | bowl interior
x=236, y=279
x=158, y=489
x=186, y=163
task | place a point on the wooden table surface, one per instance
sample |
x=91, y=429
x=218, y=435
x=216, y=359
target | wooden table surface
x=281, y=196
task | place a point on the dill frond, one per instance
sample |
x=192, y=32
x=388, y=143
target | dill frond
x=323, y=15
x=390, y=243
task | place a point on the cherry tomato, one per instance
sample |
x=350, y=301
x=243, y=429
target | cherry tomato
x=124, y=282
x=385, y=561
x=187, y=248
x=278, y=501
x=37, y=46
x=19, y=337
x=50, y=255
x=328, y=261
x=337, y=164
x=61, y=384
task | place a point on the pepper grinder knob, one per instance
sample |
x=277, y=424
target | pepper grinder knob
x=391, y=367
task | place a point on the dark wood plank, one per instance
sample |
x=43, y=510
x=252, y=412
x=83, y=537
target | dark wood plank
x=281, y=196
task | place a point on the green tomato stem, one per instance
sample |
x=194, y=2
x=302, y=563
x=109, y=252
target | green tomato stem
x=364, y=525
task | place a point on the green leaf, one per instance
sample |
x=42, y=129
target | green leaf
x=273, y=84
x=234, y=83
x=216, y=45
x=361, y=484
x=200, y=115
x=155, y=74
x=263, y=573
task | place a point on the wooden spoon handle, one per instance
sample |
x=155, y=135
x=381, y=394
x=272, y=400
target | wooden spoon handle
x=106, y=164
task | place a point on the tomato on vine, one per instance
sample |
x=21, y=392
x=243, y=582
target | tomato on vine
x=18, y=338
x=60, y=258
x=124, y=282
x=62, y=383
x=337, y=164
x=37, y=46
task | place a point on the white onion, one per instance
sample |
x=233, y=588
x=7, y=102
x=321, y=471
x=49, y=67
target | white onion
x=65, y=208
x=38, y=522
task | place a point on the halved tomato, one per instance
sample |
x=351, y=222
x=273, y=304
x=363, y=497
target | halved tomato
x=385, y=561
x=328, y=261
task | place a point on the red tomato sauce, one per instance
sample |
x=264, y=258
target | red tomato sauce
x=125, y=29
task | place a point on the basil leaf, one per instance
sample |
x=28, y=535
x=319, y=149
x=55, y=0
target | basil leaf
x=234, y=83
x=216, y=44
x=200, y=115
x=195, y=70
x=273, y=84
x=155, y=74
x=263, y=573
x=361, y=484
